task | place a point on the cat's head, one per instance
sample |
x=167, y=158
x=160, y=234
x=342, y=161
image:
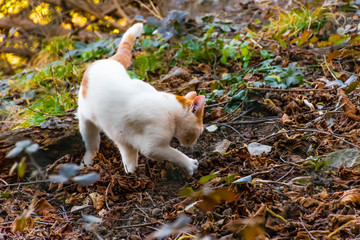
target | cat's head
x=190, y=125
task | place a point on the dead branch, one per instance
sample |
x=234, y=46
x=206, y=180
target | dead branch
x=18, y=51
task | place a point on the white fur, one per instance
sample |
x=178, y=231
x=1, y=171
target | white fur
x=135, y=116
x=134, y=30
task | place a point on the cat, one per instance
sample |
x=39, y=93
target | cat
x=133, y=114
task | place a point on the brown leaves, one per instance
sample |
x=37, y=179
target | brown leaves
x=21, y=223
x=214, y=197
x=43, y=206
x=251, y=228
x=209, y=198
x=350, y=110
x=350, y=196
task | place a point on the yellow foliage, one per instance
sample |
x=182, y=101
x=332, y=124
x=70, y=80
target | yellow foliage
x=41, y=14
x=12, y=6
x=78, y=19
x=12, y=58
x=66, y=25
x=122, y=22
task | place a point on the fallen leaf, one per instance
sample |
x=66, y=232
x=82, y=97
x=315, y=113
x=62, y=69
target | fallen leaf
x=351, y=111
x=42, y=206
x=350, y=196
x=222, y=147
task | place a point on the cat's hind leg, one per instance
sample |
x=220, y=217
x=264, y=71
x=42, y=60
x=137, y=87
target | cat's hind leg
x=91, y=137
x=129, y=157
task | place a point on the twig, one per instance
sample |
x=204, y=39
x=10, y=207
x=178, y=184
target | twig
x=147, y=216
x=135, y=225
x=276, y=215
x=309, y=233
x=285, y=174
x=24, y=183
x=310, y=130
x=273, y=182
x=96, y=234
x=256, y=43
x=250, y=121
x=106, y=195
x=148, y=167
x=141, y=210
x=4, y=181
x=5, y=223
x=152, y=201
x=327, y=133
x=292, y=163
x=331, y=72
x=149, y=9
x=150, y=218
x=226, y=125
x=341, y=228
x=45, y=223
x=274, y=134
x=155, y=9
x=337, y=108
x=39, y=222
x=289, y=90
x=259, y=173
x=65, y=213
x=216, y=104
x=121, y=12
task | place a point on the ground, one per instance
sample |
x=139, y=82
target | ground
x=287, y=193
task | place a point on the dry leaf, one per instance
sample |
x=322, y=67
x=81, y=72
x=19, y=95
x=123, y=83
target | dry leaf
x=350, y=196
x=43, y=206
x=351, y=111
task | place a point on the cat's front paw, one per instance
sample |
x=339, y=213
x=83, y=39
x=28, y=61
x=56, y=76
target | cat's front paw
x=192, y=166
x=87, y=160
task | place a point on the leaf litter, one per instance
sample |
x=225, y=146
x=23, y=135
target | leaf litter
x=288, y=191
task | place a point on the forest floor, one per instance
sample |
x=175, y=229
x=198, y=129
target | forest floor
x=291, y=190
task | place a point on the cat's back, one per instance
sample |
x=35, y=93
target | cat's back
x=107, y=71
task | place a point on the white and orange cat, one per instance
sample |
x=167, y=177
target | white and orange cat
x=133, y=114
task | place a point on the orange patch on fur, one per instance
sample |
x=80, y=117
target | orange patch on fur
x=123, y=53
x=85, y=83
x=184, y=102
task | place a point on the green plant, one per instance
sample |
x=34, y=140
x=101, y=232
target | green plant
x=200, y=50
x=47, y=105
x=277, y=76
x=150, y=60
x=291, y=23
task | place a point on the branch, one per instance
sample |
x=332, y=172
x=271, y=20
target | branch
x=18, y=51
x=98, y=10
x=120, y=11
x=26, y=26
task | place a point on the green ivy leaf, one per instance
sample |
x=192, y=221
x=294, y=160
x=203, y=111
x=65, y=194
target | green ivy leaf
x=207, y=178
x=186, y=191
x=265, y=54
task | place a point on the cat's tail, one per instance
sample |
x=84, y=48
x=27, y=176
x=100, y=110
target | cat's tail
x=123, y=53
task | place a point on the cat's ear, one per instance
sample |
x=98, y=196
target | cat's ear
x=191, y=95
x=197, y=106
